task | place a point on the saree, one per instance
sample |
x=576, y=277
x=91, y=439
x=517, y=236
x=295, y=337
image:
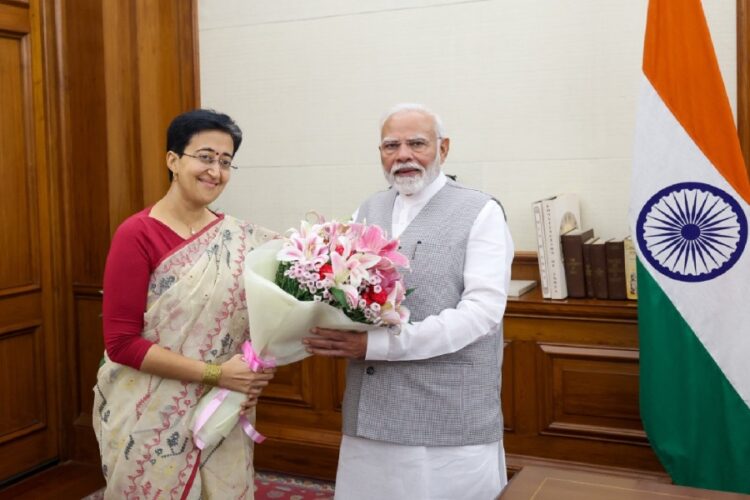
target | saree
x=196, y=307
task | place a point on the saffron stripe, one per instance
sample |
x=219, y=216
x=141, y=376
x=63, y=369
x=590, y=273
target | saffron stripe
x=679, y=61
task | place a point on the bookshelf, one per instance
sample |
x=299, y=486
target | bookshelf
x=570, y=383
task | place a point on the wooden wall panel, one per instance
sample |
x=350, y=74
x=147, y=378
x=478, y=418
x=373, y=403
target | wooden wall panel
x=90, y=350
x=85, y=161
x=120, y=60
x=17, y=204
x=303, y=436
x=339, y=384
x=122, y=82
x=85, y=177
x=304, y=395
x=590, y=392
x=167, y=80
x=23, y=409
x=291, y=386
x=15, y=19
x=575, y=397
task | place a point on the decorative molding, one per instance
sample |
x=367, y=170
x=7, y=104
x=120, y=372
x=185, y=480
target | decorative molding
x=30, y=428
x=288, y=387
x=81, y=290
x=589, y=392
x=20, y=290
x=29, y=372
x=20, y=328
x=15, y=20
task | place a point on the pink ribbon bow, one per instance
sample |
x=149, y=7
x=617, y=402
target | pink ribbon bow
x=255, y=363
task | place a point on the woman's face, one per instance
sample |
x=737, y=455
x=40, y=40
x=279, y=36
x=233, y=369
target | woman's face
x=199, y=173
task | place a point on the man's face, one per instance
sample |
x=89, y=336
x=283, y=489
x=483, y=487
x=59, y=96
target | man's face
x=410, y=151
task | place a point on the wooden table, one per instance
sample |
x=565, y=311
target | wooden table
x=548, y=483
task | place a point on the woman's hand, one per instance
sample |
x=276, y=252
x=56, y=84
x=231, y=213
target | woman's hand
x=237, y=376
x=261, y=380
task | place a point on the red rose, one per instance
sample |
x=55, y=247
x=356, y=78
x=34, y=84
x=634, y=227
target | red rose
x=325, y=269
x=379, y=297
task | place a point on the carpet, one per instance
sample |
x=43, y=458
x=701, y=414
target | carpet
x=283, y=487
x=278, y=487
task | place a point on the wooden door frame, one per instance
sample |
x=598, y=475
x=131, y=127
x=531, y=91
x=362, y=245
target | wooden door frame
x=45, y=139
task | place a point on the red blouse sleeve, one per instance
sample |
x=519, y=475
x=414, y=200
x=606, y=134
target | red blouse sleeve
x=126, y=278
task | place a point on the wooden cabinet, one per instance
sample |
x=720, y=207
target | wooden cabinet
x=570, y=382
x=300, y=414
x=569, y=392
x=570, y=388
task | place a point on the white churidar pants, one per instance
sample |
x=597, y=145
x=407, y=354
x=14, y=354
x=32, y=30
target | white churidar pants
x=376, y=470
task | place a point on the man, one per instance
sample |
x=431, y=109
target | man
x=421, y=414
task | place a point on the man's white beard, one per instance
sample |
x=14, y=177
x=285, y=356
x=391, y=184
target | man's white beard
x=413, y=184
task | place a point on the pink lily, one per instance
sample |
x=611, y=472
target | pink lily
x=304, y=246
x=390, y=313
x=355, y=268
x=373, y=240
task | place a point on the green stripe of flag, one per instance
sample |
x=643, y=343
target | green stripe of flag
x=697, y=423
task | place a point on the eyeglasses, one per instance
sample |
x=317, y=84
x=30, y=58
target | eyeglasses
x=208, y=158
x=416, y=145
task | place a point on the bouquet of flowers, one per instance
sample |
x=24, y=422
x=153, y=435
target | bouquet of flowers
x=325, y=274
x=349, y=266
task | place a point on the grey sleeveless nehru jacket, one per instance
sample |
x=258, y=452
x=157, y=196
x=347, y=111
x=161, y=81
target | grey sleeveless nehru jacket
x=447, y=400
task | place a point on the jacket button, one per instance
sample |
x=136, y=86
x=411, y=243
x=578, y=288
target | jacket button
x=370, y=370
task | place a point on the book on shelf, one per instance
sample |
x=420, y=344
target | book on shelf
x=559, y=214
x=519, y=287
x=572, y=251
x=587, y=272
x=541, y=255
x=615, y=250
x=631, y=275
x=599, y=269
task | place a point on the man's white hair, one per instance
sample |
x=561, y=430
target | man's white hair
x=410, y=106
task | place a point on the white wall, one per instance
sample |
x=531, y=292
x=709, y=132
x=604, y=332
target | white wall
x=538, y=97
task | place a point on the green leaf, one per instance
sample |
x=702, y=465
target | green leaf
x=340, y=297
x=408, y=291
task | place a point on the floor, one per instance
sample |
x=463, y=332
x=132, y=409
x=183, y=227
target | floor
x=73, y=481
x=69, y=481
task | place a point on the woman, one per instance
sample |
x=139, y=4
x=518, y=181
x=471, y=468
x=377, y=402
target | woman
x=182, y=264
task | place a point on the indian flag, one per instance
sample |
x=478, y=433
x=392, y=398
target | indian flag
x=689, y=215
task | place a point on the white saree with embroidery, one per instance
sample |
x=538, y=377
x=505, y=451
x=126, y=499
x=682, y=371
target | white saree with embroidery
x=196, y=307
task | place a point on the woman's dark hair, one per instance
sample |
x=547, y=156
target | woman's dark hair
x=186, y=125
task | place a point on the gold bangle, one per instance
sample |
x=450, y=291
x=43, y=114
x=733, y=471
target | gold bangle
x=211, y=374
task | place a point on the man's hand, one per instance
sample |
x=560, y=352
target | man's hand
x=350, y=344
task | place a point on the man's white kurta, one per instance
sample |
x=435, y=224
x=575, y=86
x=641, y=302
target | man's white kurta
x=371, y=469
